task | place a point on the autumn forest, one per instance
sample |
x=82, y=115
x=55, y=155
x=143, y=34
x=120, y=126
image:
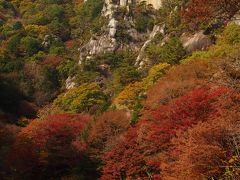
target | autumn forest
x=120, y=90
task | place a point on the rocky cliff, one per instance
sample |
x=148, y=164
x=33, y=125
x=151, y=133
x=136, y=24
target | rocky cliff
x=107, y=41
x=155, y=3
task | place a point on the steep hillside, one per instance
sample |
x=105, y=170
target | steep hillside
x=120, y=89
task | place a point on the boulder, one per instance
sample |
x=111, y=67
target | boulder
x=155, y=3
x=198, y=41
x=236, y=19
x=70, y=83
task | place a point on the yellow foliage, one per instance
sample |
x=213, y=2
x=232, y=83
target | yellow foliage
x=154, y=74
x=81, y=99
x=128, y=96
x=37, y=29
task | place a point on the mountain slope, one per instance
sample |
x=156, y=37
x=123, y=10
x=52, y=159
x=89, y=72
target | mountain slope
x=119, y=89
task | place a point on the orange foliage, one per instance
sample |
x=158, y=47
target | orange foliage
x=203, y=151
x=178, y=81
x=106, y=129
x=70, y=44
x=52, y=60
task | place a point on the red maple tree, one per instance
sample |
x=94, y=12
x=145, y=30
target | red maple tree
x=47, y=145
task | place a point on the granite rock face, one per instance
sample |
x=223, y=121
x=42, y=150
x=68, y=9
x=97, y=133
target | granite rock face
x=198, y=41
x=112, y=25
x=107, y=41
x=140, y=61
x=155, y=3
x=97, y=45
x=69, y=84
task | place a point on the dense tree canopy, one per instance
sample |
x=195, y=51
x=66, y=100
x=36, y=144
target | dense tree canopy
x=200, y=12
x=82, y=99
x=144, y=148
x=47, y=146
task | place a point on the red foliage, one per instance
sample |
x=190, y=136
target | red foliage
x=126, y=159
x=46, y=145
x=205, y=11
x=141, y=151
x=70, y=44
x=8, y=134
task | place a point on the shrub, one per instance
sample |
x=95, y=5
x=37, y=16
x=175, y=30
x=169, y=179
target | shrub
x=86, y=77
x=144, y=23
x=227, y=45
x=172, y=52
x=90, y=15
x=171, y=18
x=54, y=11
x=34, y=30
x=122, y=35
x=132, y=92
x=59, y=29
x=18, y=25
x=14, y=43
x=231, y=34
x=123, y=76
x=31, y=45
x=85, y=98
x=56, y=50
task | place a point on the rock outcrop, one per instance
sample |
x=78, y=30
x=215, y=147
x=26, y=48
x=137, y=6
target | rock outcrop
x=155, y=3
x=198, y=41
x=97, y=45
x=157, y=29
x=236, y=19
x=107, y=41
x=112, y=25
x=69, y=84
